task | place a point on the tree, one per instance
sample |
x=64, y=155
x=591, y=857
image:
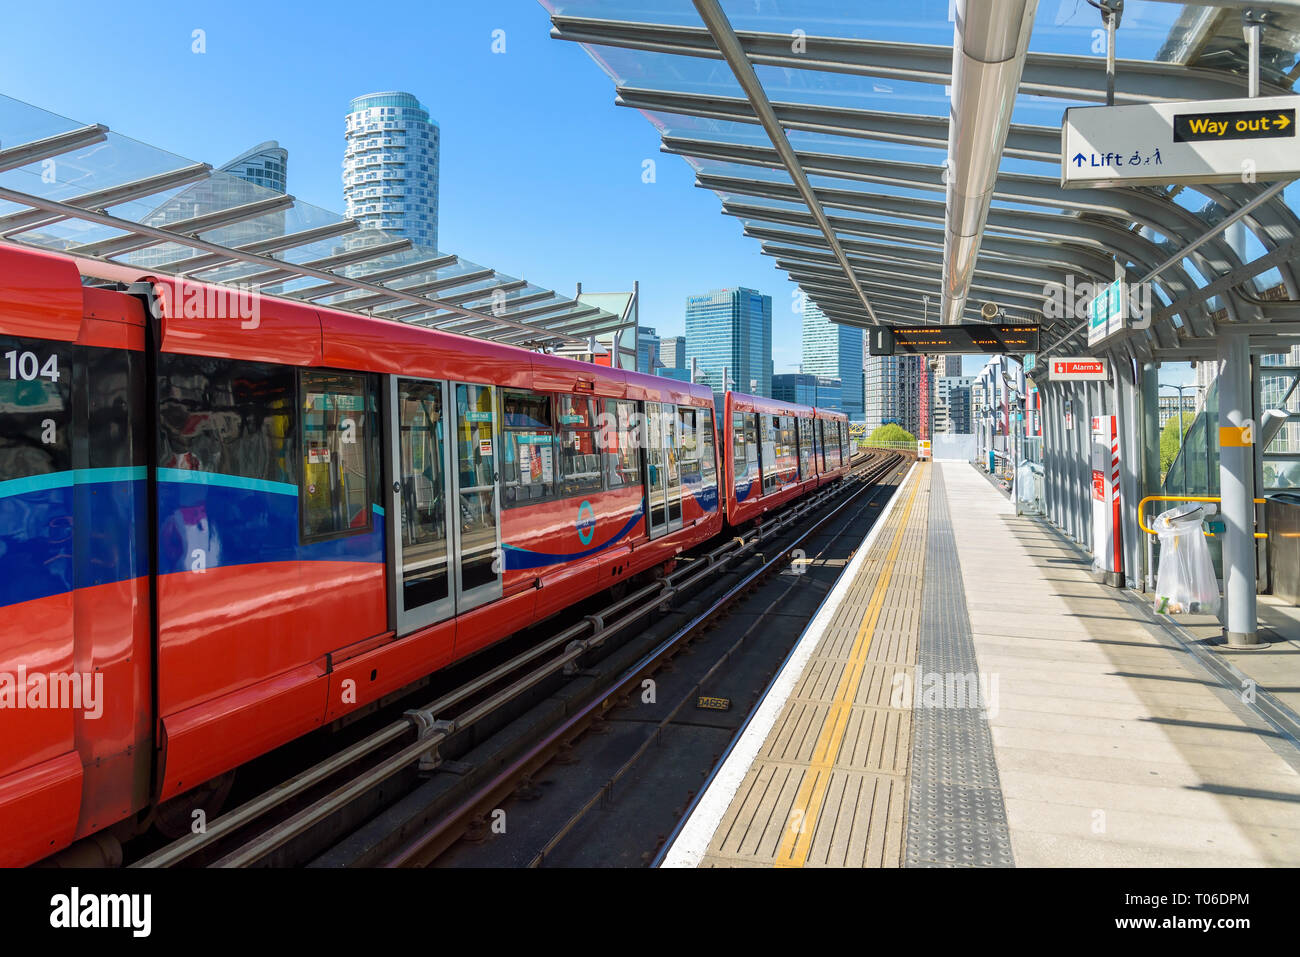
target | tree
x=1169, y=438
x=890, y=433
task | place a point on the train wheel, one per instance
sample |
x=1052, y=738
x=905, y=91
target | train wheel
x=176, y=817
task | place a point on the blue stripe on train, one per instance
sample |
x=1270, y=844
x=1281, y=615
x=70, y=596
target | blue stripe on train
x=239, y=521
x=40, y=557
x=519, y=559
x=233, y=520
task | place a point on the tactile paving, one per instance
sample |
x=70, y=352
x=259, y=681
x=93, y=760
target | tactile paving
x=956, y=816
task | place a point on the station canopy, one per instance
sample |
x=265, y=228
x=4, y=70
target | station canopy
x=87, y=191
x=896, y=191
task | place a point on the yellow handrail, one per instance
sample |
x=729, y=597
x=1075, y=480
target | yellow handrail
x=1184, y=498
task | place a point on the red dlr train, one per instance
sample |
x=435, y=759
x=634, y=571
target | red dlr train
x=222, y=528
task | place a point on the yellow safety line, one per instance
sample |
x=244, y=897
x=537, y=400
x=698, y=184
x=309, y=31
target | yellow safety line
x=797, y=840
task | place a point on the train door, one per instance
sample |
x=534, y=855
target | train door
x=672, y=439
x=656, y=483
x=476, y=510
x=806, y=470
x=420, y=517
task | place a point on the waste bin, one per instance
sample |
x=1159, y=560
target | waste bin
x=1185, y=581
x=1283, y=517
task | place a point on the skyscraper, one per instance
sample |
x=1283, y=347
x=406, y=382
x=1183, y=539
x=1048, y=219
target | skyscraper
x=672, y=352
x=390, y=167
x=893, y=391
x=834, y=350
x=952, y=403
x=731, y=329
x=647, y=350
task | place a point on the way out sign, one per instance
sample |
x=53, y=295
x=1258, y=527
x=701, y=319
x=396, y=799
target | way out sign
x=1199, y=141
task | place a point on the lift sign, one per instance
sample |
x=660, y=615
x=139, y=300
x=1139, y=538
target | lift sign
x=1233, y=125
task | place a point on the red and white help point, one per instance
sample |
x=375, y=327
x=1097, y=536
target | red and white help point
x=1106, y=543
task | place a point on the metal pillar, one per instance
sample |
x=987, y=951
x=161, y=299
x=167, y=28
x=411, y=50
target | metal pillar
x=1257, y=457
x=1083, y=429
x=1130, y=474
x=1237, y=488
x=1150, y=431
x=1047, y=397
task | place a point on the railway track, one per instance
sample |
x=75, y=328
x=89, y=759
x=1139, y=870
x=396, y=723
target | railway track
x=397, y=798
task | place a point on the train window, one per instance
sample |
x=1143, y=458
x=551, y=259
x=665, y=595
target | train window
x=528, y=455
x=621, y=441
x=689, y=446
x=232, y=418
x=337, y=412
x=579, y=459
x=805, y=449
x=744, y=450
x=37, y=407
x=845, y=452
x=708, y=456
x=787, y=449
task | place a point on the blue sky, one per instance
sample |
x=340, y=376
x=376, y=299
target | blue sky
x=541, y=173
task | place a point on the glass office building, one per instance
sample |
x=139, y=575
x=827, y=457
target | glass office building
x=390, y=167
x=731, y=330
x=647, y=350
x=805, y=389
x=834, y=350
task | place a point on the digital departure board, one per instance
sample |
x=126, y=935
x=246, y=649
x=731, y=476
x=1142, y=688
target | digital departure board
x=964, y=338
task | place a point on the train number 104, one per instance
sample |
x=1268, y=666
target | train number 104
x=28, y=365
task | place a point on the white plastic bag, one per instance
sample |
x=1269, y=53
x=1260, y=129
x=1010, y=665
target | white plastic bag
x=1185, y=583
x=1025, y=484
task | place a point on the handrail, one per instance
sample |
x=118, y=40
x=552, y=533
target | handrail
x=1185, y=498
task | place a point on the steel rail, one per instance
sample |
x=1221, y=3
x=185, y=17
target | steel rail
x=434, y=840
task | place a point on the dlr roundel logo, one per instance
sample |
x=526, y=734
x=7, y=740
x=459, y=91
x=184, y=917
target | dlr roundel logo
x=586, y=523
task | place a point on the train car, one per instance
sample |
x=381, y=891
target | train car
x=224, y=525
x=830, y=432
x=777, y=451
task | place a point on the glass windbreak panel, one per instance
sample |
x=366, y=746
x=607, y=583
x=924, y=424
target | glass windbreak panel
x=673, y=462
x=787, y=450
x=655, y=463
x=336, y=426
x=476, y=461
x=805, y=449
x=579, y=458
x=423, y=518
x=771, y=477
x=527, y=449
x=619, y=437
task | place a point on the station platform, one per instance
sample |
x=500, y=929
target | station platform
x=969, y=696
